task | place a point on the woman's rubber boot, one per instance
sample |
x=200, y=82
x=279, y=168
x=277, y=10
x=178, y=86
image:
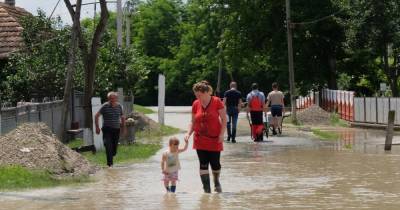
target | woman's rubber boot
x=217, y=184
x=205, y=179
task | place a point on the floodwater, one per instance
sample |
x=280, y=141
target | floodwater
x=283, y=173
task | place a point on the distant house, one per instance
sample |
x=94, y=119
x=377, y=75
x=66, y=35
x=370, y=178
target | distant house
x=10, y=28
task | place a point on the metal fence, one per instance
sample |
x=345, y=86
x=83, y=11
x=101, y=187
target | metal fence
x=376, y=109
x=358, y=109
x=47, y=112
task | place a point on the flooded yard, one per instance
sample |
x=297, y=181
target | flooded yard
x=284, y=173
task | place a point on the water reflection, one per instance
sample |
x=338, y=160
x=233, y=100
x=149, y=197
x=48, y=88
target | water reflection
x=209, y=201
x=170, y=201
x=287, y=173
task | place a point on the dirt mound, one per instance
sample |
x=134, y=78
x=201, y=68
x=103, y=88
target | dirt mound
x=314, y=115
x=34, y=146
x=142, y=122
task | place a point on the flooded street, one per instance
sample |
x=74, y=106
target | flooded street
x=287, y=172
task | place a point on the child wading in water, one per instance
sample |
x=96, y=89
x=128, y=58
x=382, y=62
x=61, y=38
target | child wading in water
x=170, y=163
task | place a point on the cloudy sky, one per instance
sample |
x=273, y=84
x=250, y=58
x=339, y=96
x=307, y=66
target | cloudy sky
x=61, y=10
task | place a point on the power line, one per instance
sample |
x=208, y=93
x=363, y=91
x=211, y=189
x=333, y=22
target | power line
x=319, y=19
x=54, y=9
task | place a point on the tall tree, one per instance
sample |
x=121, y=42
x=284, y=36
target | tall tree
x=89, y=54
x=70, y=69
x=377, y=24
x=156, y=37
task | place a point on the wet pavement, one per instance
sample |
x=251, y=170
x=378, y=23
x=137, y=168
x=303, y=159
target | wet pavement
x=286, y=172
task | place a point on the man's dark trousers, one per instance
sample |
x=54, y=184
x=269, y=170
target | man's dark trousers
x=110, y=140
x=233, y=113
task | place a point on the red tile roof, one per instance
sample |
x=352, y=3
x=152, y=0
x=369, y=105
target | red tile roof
x=10, y=29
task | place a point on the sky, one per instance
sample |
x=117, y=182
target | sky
x=61, y=10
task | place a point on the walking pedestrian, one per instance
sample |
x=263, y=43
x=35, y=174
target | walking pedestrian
x=256, y=106
x=170, y=164
x=233, y=103
x=275, y=100
x=113, y=123
x=208, y=125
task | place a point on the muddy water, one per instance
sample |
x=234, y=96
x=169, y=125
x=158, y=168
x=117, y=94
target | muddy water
x=284, y=173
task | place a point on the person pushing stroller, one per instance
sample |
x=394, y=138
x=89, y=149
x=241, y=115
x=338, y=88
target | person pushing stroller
x=256, y=106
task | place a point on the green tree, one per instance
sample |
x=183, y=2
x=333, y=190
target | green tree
x=38, y=69
x=156, y=31
x=375, y=33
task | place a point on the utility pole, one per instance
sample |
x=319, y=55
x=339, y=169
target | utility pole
x=290, y=57
x=119, y=23
x=129, y=9
x=218, y=89
x=128, y=28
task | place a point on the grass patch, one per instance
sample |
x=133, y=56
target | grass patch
x=142, y=109
x=133, y=152
x=125, y=153
x=326, y=135
x=18, y=177
x=289, y=120
x=336, y=121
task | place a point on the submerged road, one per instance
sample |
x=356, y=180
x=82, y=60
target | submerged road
x=287, y=172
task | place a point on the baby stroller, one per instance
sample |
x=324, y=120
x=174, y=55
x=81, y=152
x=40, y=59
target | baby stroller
x=267, y=124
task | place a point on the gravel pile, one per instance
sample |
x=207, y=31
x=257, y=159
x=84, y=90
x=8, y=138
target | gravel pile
x=314, y=115
x=33, y=145
x=142, y=122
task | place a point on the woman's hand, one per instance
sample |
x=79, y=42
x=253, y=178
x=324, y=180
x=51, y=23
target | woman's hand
x=187, y=136
x=221, y=138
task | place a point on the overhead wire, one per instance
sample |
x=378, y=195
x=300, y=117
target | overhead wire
x=54, y=9
x=317, y=20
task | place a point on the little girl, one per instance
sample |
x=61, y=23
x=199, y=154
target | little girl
x=170, y=163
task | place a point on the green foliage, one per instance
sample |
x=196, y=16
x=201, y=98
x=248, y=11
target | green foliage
x=375, y=35
x=18, y=177
x=356, y=48
x=126, y=153
x=38, y=69
x=336, y=121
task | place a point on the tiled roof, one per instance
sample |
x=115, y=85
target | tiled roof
x=10, y=29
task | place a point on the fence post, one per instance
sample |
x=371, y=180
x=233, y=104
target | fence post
x=52, y=120
x=389, y=130
x=0, y=118
x=376, y=109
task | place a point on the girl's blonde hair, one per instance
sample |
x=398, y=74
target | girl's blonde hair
x=173, y=140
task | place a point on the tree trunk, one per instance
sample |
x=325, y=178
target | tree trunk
x=90, y=57
x=70, y=71
x=332, y=81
